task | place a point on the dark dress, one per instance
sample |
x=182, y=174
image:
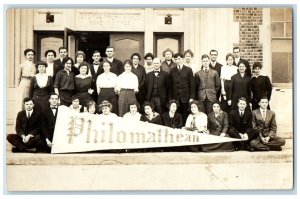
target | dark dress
x=155, y=120
x=40, y=95
x=216, y=126
x=240, y=87
x=173, y=122
x=260, y=86
x=140, y=72
x=81, y=89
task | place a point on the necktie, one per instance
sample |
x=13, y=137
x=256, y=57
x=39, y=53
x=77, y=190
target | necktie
x=193, y=124
x=28, y=114
x=264, y=115
x=242, y=113
x=179, y=68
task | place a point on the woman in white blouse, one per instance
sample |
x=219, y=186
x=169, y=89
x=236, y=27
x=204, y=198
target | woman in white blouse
x=41, y=85
x=127, y=86
x=188, y=57
x=106, y=87
x=227, y=71
x=196, y=121
x=133, y=114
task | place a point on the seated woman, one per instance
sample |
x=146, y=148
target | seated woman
x=91, y=107
x=196, y=121
x=172, y=118
x=76, y=105
x=150, y=115
x=106, y=115
x=218, y=125
x=133, y=114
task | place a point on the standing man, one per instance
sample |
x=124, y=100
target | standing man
x=140, y=72
x=214, y=65
x=48, y=124
x=263, y=120
x=182, y=85
x=207, y=85
x=157, y=84
x=168, y=64
x=238, y=60
x=116, y=65
x=63, y=53
x=96, y=70
x=64, y=83
x=240, y=126
x=28, y=128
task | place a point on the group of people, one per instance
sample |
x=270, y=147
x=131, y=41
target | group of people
x=211, y=99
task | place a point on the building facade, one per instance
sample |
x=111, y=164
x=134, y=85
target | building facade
x=263, y=34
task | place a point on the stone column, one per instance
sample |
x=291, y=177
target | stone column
x=148, y=37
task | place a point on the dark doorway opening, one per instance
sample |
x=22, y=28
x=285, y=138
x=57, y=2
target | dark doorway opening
x=88, y=42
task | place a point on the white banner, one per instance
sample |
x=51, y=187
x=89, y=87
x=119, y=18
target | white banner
x=78, y=132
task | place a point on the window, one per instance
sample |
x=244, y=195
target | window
x=281, y=23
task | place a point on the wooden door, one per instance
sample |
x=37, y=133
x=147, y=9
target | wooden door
x=125, y=44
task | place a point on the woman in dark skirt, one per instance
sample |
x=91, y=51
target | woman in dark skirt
x=41, y=86
x=106, y=85
x=84, y=85
x=218, y=126
x=150, y=115
x=260, y=86
x=172, y=118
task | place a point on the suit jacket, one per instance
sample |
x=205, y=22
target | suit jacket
x=25, y=126
x=217, y=68
x=239, y=124
x=59, y=64
x=94, y=73
x=207, y=85
x=267, y=127
x=116, y=67
x=163, y=86
x=248, y=69
x=48, y=123
x=182, y=84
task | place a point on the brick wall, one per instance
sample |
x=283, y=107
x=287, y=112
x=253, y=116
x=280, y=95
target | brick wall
x=249, y=20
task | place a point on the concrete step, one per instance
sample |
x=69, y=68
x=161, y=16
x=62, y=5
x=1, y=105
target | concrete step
x=284, y=156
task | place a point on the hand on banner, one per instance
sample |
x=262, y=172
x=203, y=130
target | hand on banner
x=49, y=143
x=191, y=100
x=222, y=134
x=90, y=91
x=229, y=102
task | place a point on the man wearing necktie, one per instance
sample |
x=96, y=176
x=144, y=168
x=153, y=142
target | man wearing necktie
x=28, y=128
x=263, y=120
x=95, y=70
x=240, y=126
x=157, y=85
x=182, y=85
x=48, y=124
x=207, y=85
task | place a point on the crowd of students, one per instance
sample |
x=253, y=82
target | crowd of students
x=230, y=100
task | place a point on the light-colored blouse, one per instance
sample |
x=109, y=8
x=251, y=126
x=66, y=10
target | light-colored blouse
x=26, y=69
x=106, y=80
x=200, y=121
x=128, y=81
x=136, y=117
x=228, y=71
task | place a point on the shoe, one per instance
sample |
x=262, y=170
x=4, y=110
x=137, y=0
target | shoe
x=249, y=148
x=17, y=150
x=279, y=148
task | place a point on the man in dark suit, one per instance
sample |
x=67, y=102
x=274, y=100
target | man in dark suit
x=116, y=65
x=48, y=124
x=27, y=127
x=207, y=85
x=263, y=120
x=214, y=65
x=63, y=53
x=157, y=85
x=240, y=126
x=238, y=60
x=96, y=70
x=182, y=85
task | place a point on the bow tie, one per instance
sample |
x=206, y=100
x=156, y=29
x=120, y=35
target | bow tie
x=53, y=107
x=96, y=63
x=156, y=71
